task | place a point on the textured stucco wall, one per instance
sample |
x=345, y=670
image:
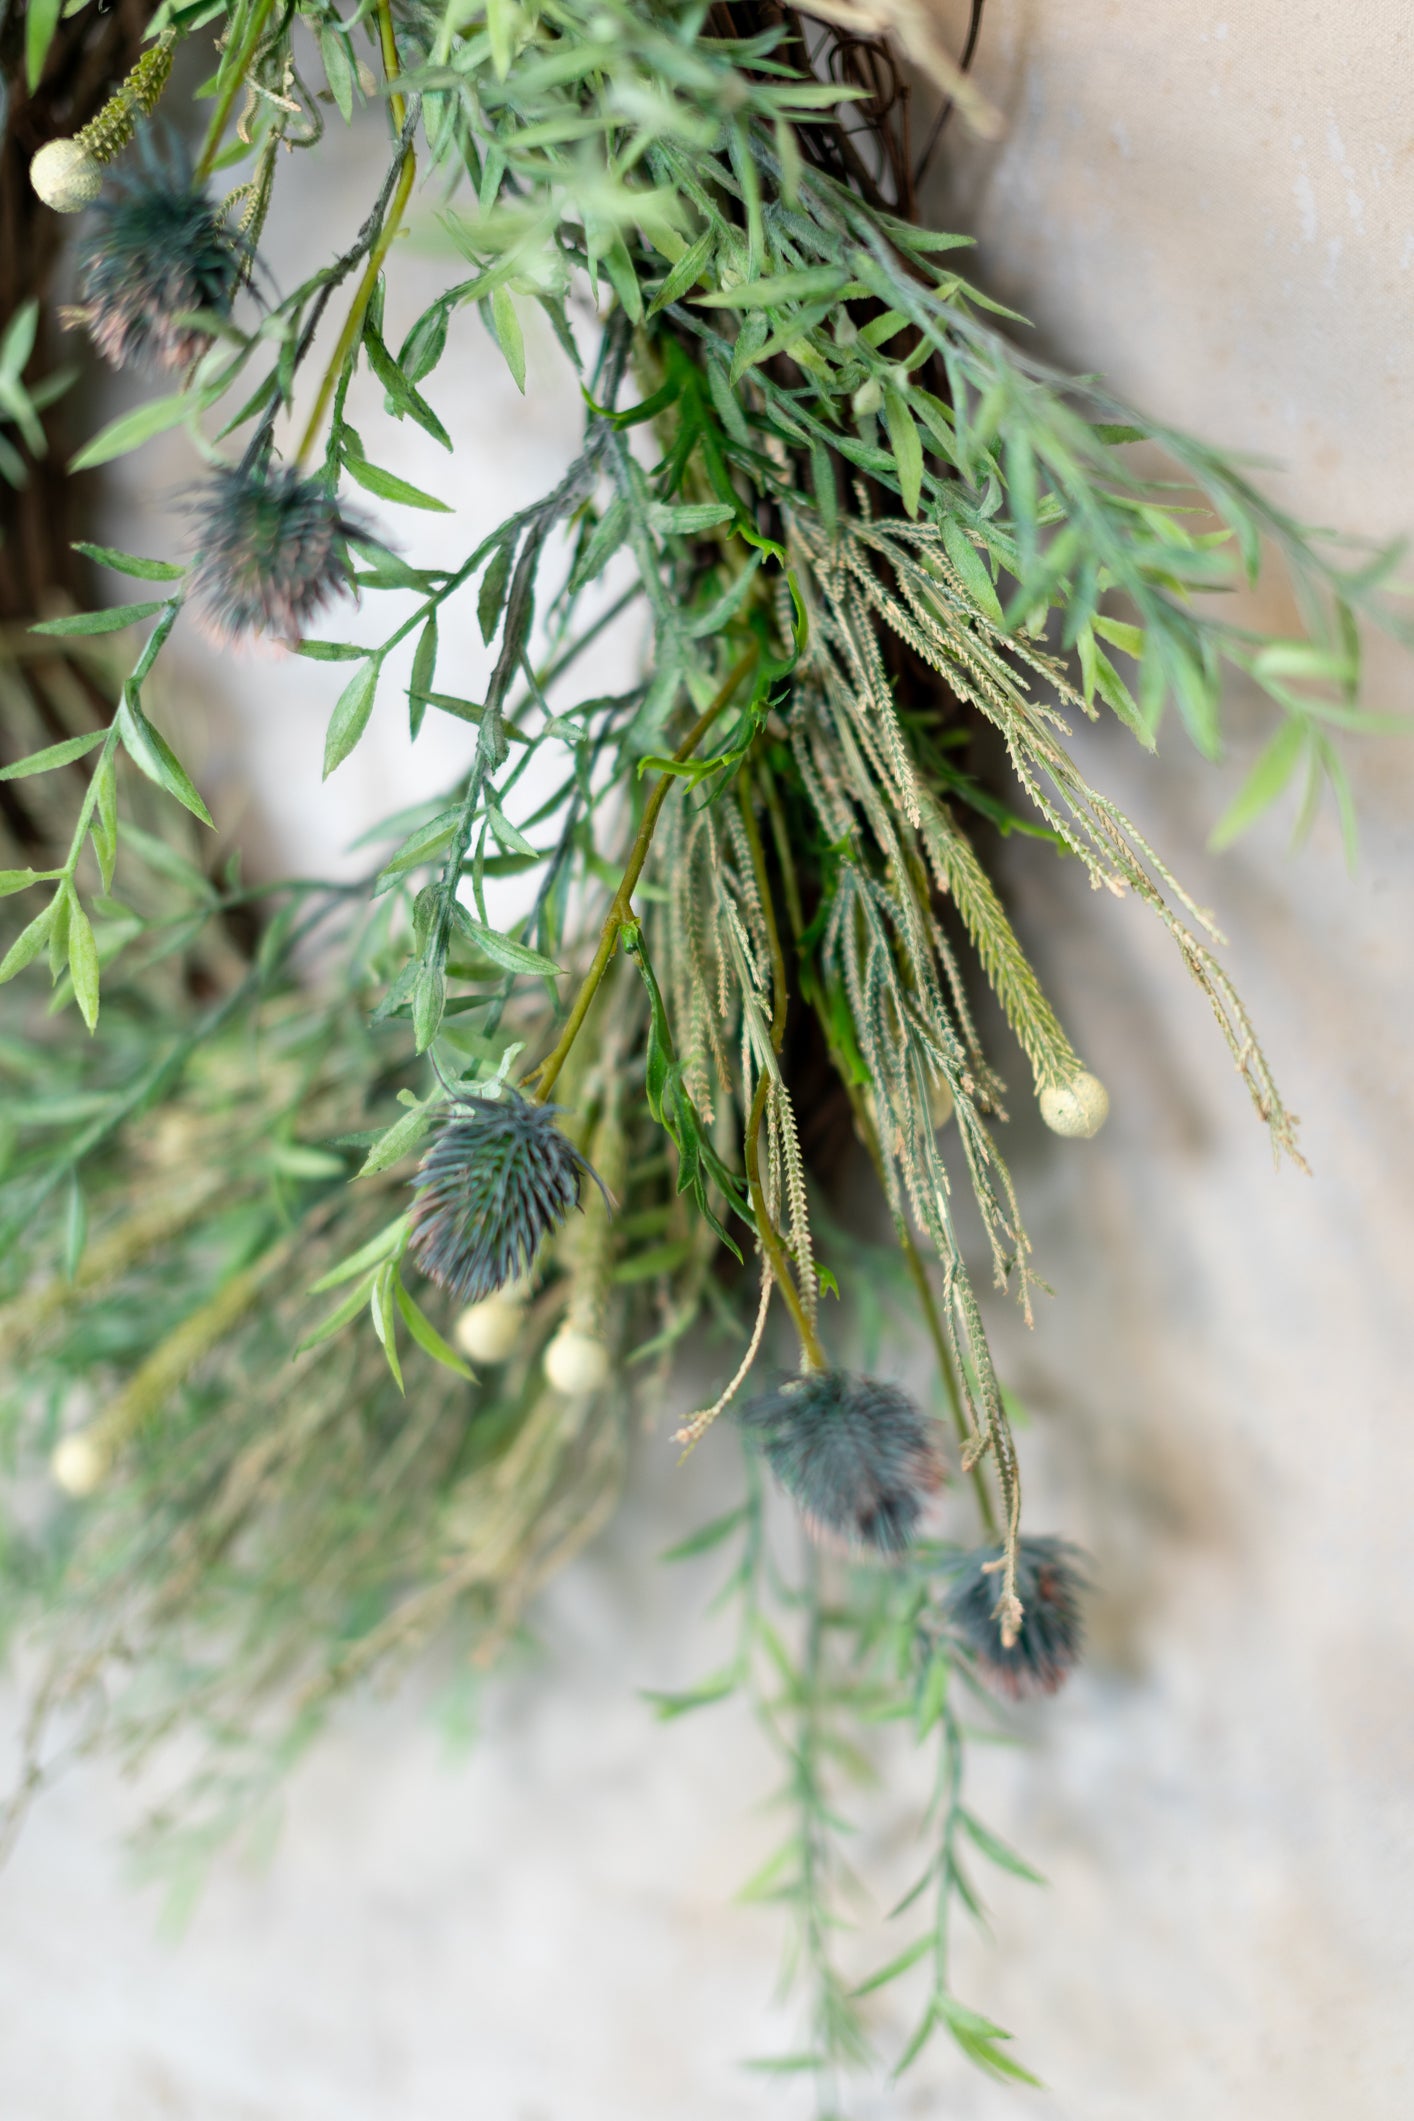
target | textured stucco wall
x=1215, y=205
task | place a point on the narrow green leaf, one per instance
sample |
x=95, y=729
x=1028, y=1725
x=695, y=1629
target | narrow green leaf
x=426, y=1335
x=400, y=1139
x=601, y=545
x=709, y=1536
x=383, y=1245
x=13, y=880
x=978, y=2038
x=425, y=344
x=130, y=563
x=667, y=1706
x=691, y=517
x=685, y=274
x=389, y=487
x=338, y=70
x=385, y=1318
x=75, y=1228
x=508, y=335
x=972, y=569
x=27, y=944
x=350, y=717
x=131, y=429
x=53, y=755
x=151, y=754
x=429, y=1003
x=1274, y=767
x=424, y=668
x=514, y=841
x=1128, y=639
x=814, y=283
x=908, y=449
x=113, y=620
x=511, y=956
x=103, y=828
x=996, y=1850
x=41, y=21
x=83, y=964
x=492, y=594
x=352, y=1304
x=886, y=1974
x=331, y=651
x=923, y=2033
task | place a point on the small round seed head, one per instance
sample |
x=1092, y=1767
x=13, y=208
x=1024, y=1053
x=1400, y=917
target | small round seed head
x=154, y=252
x=499, y=1177
x=490, y=1331
x=1077, y=1109
x=1049, y=1583
x=80, y=1463
x=576, y=1363
x=855, y=1453
x=65, y=176
x=270, y=551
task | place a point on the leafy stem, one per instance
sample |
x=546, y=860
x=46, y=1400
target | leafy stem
x=620, y=908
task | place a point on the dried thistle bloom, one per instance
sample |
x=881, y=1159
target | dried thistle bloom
x=1048, y=1643
x=155, y=251
x=270, y=550
x=856, y=1454
x=497, y=1180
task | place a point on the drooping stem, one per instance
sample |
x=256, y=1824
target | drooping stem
x=770, y=1235
x=913, y=1259
x=620, y=909
x=780, y=1000
x=363, y=294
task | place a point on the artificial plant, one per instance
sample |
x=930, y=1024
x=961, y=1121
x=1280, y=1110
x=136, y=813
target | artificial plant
x=300, y=1418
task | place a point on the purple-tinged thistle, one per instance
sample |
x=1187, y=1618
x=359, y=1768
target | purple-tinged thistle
x=270, y=552
x=154, y=256
x=499, y=1177
x=855, y=1454
x=1049, y=1583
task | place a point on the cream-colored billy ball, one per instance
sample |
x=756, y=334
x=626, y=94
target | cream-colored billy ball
x=1078, y=1108
x=576, y=1363
x=487, y=1332
x=940, y=1106
x=66, y=176
x=79, y=1464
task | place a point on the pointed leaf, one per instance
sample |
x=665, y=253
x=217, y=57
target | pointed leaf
x=350, y=717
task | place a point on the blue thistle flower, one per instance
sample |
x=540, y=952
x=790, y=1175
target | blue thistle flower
x=499, y=1177
x=154, y=251
x=270, y=550
x=856, y=1455
x=1049, y=1583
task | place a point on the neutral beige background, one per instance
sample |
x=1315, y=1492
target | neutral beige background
x=1215, y=205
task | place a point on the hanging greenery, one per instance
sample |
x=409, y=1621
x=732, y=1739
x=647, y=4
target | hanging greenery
x=341, y=1262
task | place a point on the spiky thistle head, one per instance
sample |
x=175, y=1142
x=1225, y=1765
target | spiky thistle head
x=270, y=550
x=155, y=253
x=499, y=1177
x=1049, y=1583
x=857, y=1456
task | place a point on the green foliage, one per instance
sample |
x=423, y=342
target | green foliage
x=860, y=524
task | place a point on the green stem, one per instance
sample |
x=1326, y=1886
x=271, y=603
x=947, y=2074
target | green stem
x=353, y=323
x=914, y=1262
x=620, y=909
x=235, y=80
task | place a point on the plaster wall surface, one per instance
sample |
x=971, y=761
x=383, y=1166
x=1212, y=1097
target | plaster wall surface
x=1213, y=204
